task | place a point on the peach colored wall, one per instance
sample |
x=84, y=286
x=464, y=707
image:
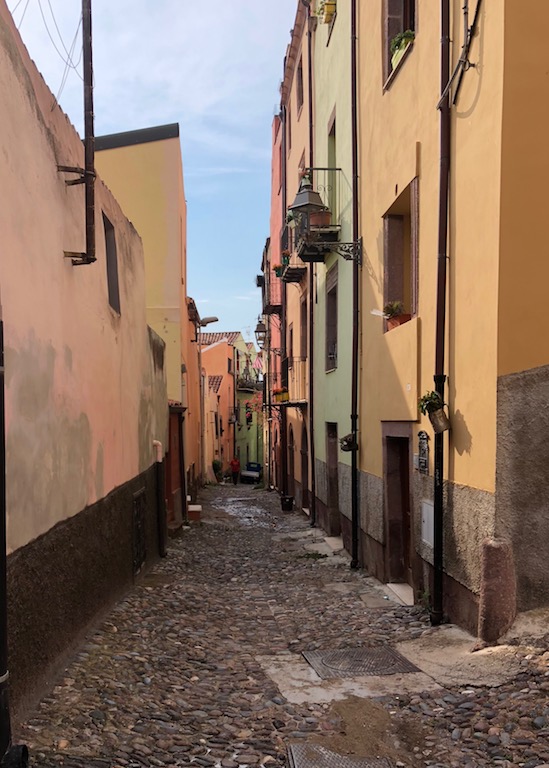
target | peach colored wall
x=297, y=156
x=191, y=396
x=84, y=399
x=215, y=362
x=147, y=180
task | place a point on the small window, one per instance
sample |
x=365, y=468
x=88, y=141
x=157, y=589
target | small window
x=291, y=346
x=288, y=129
x=303, y=328
x=112, y=265
x=299, y=85
x=399, y=24
x=331, y=319
x=400, y=247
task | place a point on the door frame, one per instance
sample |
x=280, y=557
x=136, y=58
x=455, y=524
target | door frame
x=394, y=540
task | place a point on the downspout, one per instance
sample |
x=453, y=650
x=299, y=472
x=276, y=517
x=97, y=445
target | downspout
x=160, y=499
x=18, y=755
x=356, y=296
x=182, y=462
x=312, y=500
x=283, y=414
x=437, y=613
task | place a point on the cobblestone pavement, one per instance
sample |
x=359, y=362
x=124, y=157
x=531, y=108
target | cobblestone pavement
x=172, y=676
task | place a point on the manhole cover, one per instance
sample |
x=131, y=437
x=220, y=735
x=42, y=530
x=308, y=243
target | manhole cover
x=358, y=661
x=314, y=756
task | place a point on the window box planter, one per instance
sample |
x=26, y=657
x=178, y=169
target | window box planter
x=394, y=322
x=278, y=269
x=320, y=219
x=326, y=11
x=281, y=397
x=399, y=45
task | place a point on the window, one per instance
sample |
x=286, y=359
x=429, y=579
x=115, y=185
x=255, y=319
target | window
x=291, y=346
x=299, y=85
x=112, y=265
x=288, y=129
x=229, y=364
x=303, y=328
x=400, y=253
x=332, y=163
x=331, y=319
x=398, y=16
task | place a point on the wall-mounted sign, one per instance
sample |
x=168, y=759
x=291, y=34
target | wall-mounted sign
x=423, y=461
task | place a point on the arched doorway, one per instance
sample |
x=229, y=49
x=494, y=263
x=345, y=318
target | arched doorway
x=291, y=463
x=304, y=468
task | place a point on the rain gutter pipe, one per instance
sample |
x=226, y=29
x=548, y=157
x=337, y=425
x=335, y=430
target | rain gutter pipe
x=312, y=500
x=437, y=612
x=283, y=414
x=356, y=295
x=160, y=499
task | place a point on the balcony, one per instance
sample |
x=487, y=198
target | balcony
x=246, y=382
x=272, y=296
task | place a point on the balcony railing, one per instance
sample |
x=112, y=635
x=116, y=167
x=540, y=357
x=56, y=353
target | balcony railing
x=272, y=295
x=248, y=382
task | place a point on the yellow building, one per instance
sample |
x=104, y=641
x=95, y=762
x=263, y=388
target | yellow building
x=144, y=170
x=493, y=369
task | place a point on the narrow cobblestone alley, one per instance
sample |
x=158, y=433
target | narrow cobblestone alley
x=176, y=674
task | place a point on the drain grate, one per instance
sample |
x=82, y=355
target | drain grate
x=315, y=756
x=353, y=662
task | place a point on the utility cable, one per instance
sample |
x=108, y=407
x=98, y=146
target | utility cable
x=24, y=12
x=68, y=62
x=67, y=67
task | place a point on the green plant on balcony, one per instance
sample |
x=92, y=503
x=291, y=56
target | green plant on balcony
x=395, y=315
x=278, y=269
x=399, y=44
x=285, y=257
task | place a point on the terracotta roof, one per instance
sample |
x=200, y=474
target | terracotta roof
x=215, y=382
x=213, y=338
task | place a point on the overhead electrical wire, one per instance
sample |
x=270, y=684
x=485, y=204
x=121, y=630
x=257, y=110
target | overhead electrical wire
x=68, y=66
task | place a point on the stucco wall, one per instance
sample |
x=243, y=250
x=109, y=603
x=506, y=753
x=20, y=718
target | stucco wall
x=332, y=99
x=147, y=180
x=85, y=395
x=522, y=498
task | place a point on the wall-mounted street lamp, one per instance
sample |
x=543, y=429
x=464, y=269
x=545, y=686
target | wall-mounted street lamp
x=308, y=201
x=260, y=333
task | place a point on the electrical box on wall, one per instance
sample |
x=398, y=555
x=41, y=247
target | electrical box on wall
x=427, y=522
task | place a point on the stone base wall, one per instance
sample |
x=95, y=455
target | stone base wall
x=522, y=481
x=61, y=583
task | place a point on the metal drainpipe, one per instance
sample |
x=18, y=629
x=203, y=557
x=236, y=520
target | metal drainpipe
x=18, y=755
x=182, y=472
x=356, y=296
x=437, y=612
x=160, y=499
x=283, y=414
x=312, y=500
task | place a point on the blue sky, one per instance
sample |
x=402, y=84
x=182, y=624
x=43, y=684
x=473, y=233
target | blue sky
x=214, y=68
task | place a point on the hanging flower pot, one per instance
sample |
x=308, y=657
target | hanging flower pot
x=285, y=258
x=439, y=420
x=278, y=269
x=431, y=405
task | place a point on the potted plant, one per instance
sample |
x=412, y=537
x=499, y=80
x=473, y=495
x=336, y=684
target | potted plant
x=431, y=405
x=395, y=315
x=326, y=10
x=278, y=269
x=399, y=43
x=281, y=395
x=285, y=257
x=321, y=218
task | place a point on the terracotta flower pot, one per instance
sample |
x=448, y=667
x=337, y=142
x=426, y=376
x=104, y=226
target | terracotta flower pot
x=320, y=219
x=394, y=322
